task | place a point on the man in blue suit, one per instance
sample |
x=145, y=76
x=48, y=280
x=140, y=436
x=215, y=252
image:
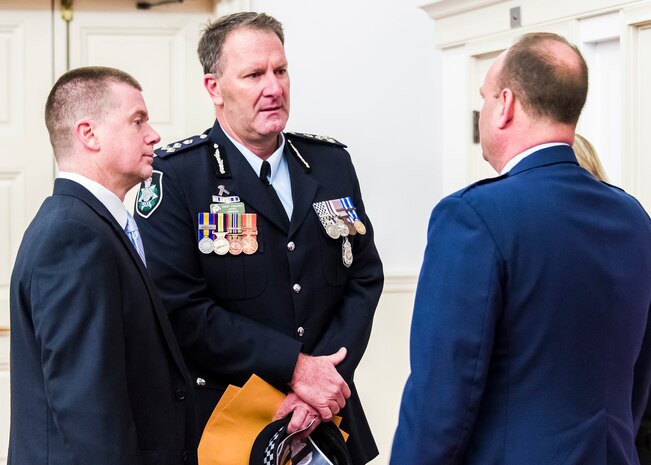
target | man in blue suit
x=96, y=374
x=528, y=338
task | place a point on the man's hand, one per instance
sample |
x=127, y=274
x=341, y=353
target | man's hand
x=303, y=416
x=317, y=382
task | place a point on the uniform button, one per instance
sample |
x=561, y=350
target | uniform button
x=300, y=331
x=291, y=246
x=180, y=394
x=185, y=455
x=201, y=382
x=297, y=288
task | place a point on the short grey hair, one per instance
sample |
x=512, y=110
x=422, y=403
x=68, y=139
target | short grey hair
x=214, y=36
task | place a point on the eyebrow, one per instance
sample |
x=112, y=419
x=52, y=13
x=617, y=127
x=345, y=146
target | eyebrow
x=141, y=113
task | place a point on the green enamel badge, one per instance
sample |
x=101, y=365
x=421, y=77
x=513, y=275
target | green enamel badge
x=150, y=195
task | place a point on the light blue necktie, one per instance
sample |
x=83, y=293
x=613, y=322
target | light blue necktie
x=134, y=236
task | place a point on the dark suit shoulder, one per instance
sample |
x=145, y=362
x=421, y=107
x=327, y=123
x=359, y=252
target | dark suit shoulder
x=181, y=146
x=314, y=138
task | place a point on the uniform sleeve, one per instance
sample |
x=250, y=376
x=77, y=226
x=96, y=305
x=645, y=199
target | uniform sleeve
x=458, y=300
x=78, y=324
x=350, y=326
x=211, y=338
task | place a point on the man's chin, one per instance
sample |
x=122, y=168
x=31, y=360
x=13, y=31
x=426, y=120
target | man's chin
x=275, y=123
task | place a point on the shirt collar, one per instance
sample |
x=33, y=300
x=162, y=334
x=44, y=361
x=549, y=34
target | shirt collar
x=518, y=158
x=111, y=201
x=256, y=162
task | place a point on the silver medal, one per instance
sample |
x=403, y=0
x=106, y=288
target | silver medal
x=206, y=245
x=347, y=253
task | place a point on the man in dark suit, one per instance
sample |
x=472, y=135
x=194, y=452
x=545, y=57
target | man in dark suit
x=234, y=223
x=528, y=335
x=96, y=373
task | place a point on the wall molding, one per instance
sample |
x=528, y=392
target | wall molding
x=400, y=283
x=443, y=8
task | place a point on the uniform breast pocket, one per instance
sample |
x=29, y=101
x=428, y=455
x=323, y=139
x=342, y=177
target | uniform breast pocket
x=149, y=457
x=334, y=270
x=238, y=277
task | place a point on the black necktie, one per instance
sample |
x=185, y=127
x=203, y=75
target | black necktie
x=265, y=171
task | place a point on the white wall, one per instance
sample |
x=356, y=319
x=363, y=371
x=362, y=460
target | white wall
x=366, y=73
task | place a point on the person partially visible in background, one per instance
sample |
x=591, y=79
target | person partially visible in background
x=587, y=157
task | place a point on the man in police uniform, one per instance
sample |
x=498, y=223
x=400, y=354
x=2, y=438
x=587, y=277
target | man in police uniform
x=259, y=243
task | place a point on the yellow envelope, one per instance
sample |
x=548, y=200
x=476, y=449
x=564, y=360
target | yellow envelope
x=237, y=420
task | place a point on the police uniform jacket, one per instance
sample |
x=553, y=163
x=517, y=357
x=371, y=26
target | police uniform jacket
x=528, y=337
x=96, y=374
x=239, y=315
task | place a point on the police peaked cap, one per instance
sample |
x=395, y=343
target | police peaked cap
x=326, y=436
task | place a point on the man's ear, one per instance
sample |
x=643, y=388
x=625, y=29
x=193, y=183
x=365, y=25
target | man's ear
x=507, y=107
x=211, y=83
x=85, y=133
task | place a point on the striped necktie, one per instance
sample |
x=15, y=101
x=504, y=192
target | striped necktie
x=134, y=236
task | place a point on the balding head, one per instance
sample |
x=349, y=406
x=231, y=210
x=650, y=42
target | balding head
x=548, y=75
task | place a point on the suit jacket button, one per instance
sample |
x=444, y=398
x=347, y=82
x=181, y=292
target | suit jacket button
x=300, y=331
x=185, y=455
x=201, y=382
x=297, y=288
x=180, y=394
x=291, y=246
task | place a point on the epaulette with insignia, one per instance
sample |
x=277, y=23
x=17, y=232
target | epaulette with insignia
x=180, y=146
x=482, y=182
x=315, y=138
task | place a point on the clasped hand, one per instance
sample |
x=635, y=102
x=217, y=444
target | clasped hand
x=318, y=391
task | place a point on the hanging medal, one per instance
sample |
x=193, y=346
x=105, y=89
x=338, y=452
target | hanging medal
x=234, y=233
x=354, y=217
x=347, y=253
x=206, y=224
x=249, y=230
x=339, y=208
x=221, y=245
x=326, y=219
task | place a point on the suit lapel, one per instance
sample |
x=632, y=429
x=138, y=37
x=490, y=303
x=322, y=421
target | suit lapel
x=304, y=188
x=246, y=184
x=67, y=187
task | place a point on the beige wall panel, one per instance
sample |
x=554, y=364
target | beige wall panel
x=5, y=79
x=148, y=50
x=12, y=203
x=11, y=78
x=4, y=395
x=25, y=157
x=642, y=118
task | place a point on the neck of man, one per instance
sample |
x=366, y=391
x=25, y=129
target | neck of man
x=115, y=184
x=531, y=135
x=263, y=147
